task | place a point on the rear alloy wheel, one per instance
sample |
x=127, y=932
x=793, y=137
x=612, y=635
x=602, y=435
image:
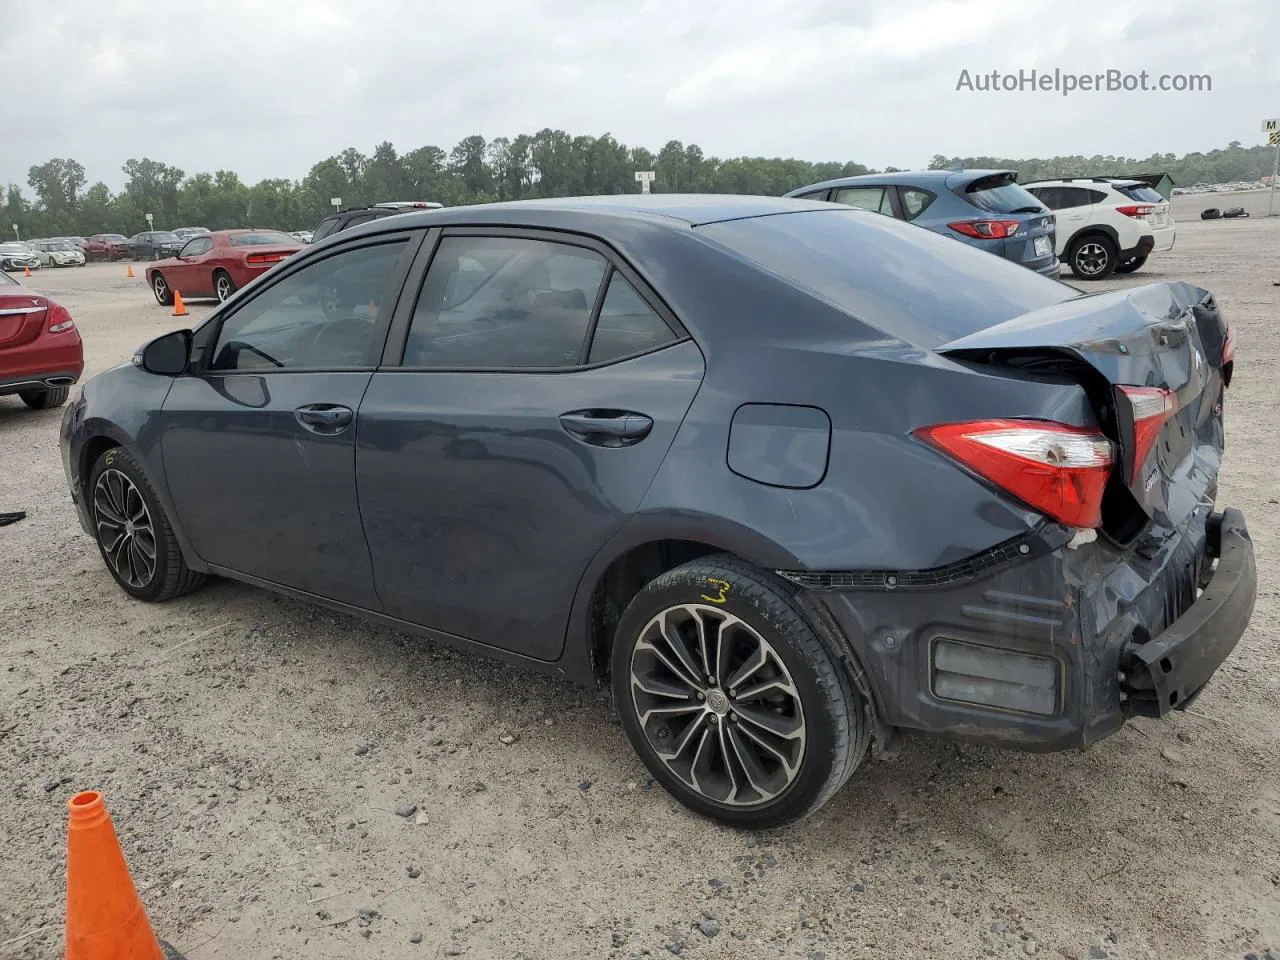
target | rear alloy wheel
x=134, y=536
x=223, y=286
x=1093, y=257
x=731, y=699
x=45, y=399
x=160, y=287
x=1131, y=265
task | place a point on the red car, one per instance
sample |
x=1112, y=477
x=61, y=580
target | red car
x=220, y=263
x=41, y=355
x=106, y=246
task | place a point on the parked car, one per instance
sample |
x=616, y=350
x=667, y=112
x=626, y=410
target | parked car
x=983, y=208
x=40, y=351
x=354, y=216
x=186, y=233
x=106, y=246
x=956, y=497
x=16, y=255
x=220, y=263
x=1106, y=224
x=154, y=244
x=302, y=236
x=58, y=253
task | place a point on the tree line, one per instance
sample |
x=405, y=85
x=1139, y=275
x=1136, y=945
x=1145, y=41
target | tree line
x=550, y=163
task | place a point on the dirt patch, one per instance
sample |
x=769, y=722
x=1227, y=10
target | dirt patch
x=260, y=757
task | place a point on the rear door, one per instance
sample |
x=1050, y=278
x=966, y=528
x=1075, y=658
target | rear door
x=527, y=399
x=259, y=442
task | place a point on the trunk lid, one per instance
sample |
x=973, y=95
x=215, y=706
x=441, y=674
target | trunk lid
x=22, y=318
x=1169, y=336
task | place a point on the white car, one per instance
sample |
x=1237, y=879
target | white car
x=58, y=253
x=1106, y=224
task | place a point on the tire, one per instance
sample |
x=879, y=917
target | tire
x=1210, y=213
x=1131, y=265
x=1093, y=256
x=45, y=399
x=223, y=285
x=806, y=681
x=118, y=489
x=160, y=287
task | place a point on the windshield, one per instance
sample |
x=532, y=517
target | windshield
x=262, y=238
x=1000, y=194
x=13, y=247
x=164, y=237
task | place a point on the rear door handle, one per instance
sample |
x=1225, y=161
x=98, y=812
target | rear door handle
x=325, y=417
x=607, y=428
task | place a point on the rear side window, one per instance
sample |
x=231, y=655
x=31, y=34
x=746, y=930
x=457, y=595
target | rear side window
x=504, y=303
x=914, y=284
x=914, y=202
x=1000, y=194
x=1141, y=193
x=875, y=199
x=627, y=324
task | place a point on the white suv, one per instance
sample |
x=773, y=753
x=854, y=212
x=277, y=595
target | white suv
x=1106, y=224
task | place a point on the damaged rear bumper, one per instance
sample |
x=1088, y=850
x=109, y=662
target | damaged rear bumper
x=1040, y=646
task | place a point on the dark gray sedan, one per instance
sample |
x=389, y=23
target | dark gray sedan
x=790, y=477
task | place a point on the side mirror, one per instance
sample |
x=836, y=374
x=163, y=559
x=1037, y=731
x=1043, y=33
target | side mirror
x=167, y=356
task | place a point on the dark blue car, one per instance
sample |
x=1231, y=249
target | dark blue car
x=983, y=208
x=789, y=477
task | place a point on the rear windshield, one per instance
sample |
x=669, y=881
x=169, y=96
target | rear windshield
x=261, y=238
x=920, y=286
x=1001, y=194
x=325, y=228
x=1141, y=192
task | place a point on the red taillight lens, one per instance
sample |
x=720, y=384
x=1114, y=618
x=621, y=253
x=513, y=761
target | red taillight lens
x=986, y=229
x=59, y=319
x=266, y=257
x=1152, y=408
x=1059, y=470
x=1138, y=210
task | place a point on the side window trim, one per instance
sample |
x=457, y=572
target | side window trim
x=207, y=335
x=398, y=335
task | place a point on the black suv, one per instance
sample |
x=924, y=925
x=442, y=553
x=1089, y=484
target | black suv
x=354, y=216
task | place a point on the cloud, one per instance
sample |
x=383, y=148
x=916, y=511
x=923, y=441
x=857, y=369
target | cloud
x=269, y=87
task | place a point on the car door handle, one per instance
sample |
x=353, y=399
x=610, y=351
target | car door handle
x=325, y=417
x=607, y=428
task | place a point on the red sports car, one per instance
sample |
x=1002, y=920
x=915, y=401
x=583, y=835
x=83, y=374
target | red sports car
x=41, y=355
x=218, y=264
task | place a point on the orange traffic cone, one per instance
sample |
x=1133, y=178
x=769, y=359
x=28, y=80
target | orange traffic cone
x=105, y=916
x=26, y=271
x=179, y=308
x=129, y=275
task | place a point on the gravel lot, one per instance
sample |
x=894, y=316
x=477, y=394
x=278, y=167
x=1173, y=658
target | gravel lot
x=254, y=752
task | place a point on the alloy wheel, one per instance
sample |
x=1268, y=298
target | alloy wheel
x=124, y=526
x=160, y=287
x=223, y=287
x=1091, y=258
x=717, y=705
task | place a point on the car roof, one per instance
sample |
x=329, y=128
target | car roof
x=934, y=178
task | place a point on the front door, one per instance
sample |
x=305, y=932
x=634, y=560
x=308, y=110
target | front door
x=259, y=444
x=517, y=436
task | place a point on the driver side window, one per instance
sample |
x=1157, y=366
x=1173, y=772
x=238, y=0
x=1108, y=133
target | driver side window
x=196, y=247
x=320, y=317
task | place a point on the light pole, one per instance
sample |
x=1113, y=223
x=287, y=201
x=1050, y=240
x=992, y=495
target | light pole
x=16, y=233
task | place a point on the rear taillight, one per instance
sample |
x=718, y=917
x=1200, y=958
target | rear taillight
x=1138, y=210
x=1057, y=469
x=266, y=257
x=986, y=229
x=59, y=320
x=1152, y=408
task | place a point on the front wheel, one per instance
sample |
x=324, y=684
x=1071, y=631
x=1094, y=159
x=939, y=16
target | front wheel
x=160, y=287
x=731, y=699
x=1131, y=265
x=1093, y=257
x=134, y=536
x=223, y=285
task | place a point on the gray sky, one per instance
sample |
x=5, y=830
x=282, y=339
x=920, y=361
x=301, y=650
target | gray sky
x=269, y=87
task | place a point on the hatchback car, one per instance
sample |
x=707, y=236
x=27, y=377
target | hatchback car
x=218, y=264
x=983, y=208
x=789, y=476
x=59, y=253
x=41, y=355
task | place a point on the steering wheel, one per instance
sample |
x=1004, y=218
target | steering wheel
x=352, y=329
x=238, y=345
